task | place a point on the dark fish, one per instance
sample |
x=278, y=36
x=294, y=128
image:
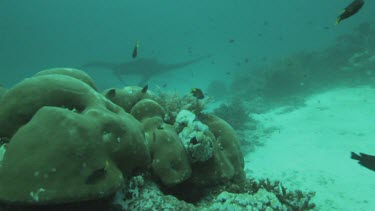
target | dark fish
x=197, y=93
x=231, y=40
x=189, y=50
x=3, y=140
x=364, y=160
x=193, y=141
x=144, y=89
x=135, y=50
x=350, y=10
x=111, y=93
x=97, y=175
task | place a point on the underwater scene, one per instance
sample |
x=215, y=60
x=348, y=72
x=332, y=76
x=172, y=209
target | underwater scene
x=187, y=105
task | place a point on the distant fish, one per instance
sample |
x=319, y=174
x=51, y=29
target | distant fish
x=144, y=89
x=135, y=50
x=350, y=10
x=197, y=93
x=365, y=160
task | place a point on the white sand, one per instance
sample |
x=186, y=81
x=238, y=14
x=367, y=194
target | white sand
x=311, y=151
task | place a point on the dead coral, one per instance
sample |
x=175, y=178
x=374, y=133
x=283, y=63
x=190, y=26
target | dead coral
x=293, y=199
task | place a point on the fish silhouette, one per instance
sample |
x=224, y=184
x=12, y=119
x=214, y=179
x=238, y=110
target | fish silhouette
x=146, y=68
x=364, y=160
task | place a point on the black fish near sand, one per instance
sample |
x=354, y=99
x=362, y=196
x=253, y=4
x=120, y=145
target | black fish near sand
x=350, y=10
x=197, y=93
x=143, y=67
x=364, y=160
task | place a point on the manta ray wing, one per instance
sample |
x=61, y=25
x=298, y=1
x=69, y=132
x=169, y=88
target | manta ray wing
x=145, y=68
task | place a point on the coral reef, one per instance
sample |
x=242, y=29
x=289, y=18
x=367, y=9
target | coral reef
x=74, y=73
x=294, y=200
x=235, y=113
x=350, y=60
x=261, y=200
x=58, y=116
x=217, y=89
x=143, y=194
x=127, y=97
x=194, y=135
x=65, y=146
x=85, y=144
x=173, y=103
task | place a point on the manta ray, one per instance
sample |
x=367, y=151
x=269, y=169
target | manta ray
x=146, y=68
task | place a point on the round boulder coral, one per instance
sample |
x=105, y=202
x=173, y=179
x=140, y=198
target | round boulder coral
x=67, y=143
x=127, y=97
x=74, y=73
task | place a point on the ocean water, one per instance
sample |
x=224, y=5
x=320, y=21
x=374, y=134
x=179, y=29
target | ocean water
x=297, y=88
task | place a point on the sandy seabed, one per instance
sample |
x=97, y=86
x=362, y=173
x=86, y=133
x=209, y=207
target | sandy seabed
x=311, y=148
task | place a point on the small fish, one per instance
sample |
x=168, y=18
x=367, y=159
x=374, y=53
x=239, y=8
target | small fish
x=135, y=50
x=350, y=10
x=111, y=93
x=194, y=141
x=197, y=93
x=189, y=50
x=97, y=175
x=144, y=89
x=231, y=40
x=364, y=160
